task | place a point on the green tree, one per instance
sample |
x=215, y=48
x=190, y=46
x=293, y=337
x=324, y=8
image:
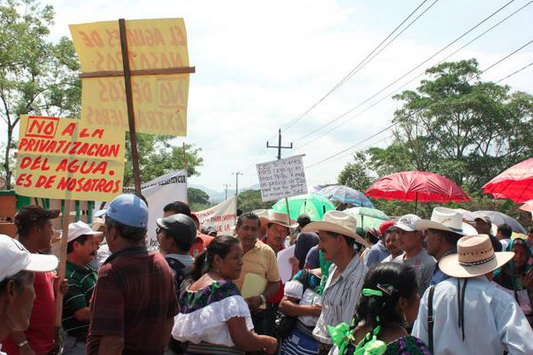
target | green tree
x=36, y=76
x=250, y=200
x=157, y=156
x=198, y=199
x=356, y=174
x=456, y=125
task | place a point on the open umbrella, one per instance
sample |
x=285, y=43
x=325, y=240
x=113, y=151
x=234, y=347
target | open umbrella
x=311, y=204
x=417, y=186
x=367, y=217
x=527, y=206
x=497, y=218
x=347, y=195
x=515, y=183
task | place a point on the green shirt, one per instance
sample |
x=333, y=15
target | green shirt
x=81, y=282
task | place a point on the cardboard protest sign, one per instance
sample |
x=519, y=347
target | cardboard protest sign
x=222, y=216
x=57, y=158
x=282, y=178
x=159, y=101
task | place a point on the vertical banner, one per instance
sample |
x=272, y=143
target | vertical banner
x=282, y=178
x=159, y=64
x=222, y=217
x=57, y=158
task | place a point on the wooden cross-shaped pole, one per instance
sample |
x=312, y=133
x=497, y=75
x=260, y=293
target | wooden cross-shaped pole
x=127, y=73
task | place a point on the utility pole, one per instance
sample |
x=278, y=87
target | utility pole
x=237, y=181
x=279, y=147
x=226, y=191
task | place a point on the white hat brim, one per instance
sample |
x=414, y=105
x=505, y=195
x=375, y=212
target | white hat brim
x=41, y=263
x=335, y=228
x=282, y=223
x=424, y=224
x=451, y=267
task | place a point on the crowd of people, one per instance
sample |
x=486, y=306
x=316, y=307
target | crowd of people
x=412, y=286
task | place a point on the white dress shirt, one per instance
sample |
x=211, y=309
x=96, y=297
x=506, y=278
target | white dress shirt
x=493, y=321
x=339, y=298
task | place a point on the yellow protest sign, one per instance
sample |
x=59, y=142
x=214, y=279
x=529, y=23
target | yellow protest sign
x=157, y=51
x=59, y=158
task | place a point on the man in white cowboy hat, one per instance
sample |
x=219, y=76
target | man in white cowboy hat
x=443, y=231
x=277, y=229
x=411, y=241
x=337, y=241
x=467, y=314
x=81, y=251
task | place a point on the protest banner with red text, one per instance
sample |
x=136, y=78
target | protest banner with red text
x=222, y=217
x=57, y=158
x=159, y=101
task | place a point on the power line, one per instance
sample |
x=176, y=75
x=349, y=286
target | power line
x=353, y=146
x=395, y=123
x=514, y=73
x=360, y=65
x=416, y=77
x=509, y=55
x=409, y=72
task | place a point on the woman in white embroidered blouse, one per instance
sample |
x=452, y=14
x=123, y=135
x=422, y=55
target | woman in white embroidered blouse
x=214, y=318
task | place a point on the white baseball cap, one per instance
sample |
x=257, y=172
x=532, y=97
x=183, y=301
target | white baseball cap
x=16, y=258
x=408, y=222
x=80, y=228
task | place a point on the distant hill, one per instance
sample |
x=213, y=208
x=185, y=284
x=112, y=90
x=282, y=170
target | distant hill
x=218, y=196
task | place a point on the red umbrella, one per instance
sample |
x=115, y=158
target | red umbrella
x=417, y=186
x=515, y=183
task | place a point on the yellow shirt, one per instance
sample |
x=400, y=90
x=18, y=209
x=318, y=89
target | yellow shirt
x=260, y=260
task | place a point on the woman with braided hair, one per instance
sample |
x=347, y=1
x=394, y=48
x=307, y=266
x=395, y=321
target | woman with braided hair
x=388, y=304
x=214, y=318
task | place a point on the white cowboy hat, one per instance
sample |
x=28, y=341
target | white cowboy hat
x=280, y=218
x=337, y=222
x=446, y=219
x=475, y=257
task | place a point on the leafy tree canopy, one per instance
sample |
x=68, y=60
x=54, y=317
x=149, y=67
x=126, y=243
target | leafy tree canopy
x=250, y=200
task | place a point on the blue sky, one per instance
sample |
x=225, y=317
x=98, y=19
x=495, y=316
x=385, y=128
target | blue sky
x=261, y=64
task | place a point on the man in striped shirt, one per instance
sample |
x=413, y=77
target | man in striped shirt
x=337, y=241
x=81, y=250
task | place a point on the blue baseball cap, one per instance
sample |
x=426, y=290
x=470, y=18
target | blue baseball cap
x=130, y=210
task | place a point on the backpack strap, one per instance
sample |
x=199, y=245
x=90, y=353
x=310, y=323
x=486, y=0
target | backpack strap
x=431, y=318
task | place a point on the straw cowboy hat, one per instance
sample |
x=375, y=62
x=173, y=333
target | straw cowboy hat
x=262, y=214
x=280, y=218
x=337, y=222
x=446, y=219
x=475, y=257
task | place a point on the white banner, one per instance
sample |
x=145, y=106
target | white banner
x=160, y=192
x=282, y=178
x=222, y=217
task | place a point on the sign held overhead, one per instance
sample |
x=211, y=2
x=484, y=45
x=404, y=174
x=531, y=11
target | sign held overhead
x=282, y=178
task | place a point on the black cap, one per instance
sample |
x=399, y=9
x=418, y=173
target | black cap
x=303, y=220
x=30, y=215
x=179, y=226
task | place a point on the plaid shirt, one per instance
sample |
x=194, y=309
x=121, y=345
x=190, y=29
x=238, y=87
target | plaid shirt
x=134, y=298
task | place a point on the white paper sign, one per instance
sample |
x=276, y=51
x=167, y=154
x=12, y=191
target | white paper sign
x=160, y=192
x=285, y=268
x=222, y=216
x=282, y=178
